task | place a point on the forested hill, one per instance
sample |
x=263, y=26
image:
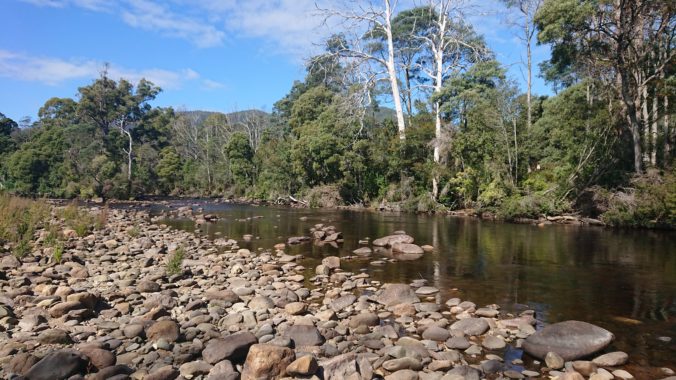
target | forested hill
x=461, y=133
x=233, y=117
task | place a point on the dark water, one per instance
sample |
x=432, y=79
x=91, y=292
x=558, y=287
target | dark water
x=623, y=280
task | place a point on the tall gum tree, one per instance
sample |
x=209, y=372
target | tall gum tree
x=363, y=22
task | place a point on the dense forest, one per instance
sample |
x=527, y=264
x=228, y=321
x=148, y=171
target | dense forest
x=405, y=109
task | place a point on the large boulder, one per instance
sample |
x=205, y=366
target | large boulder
x=267, y=362
x=570, y=339
x=58, y=365
x=346, y=366
x=232, y=347
x=395, y=294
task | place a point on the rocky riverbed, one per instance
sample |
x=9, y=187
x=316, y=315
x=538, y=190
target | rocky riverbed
x=136, y=300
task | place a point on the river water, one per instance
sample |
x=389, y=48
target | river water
x=622, y=280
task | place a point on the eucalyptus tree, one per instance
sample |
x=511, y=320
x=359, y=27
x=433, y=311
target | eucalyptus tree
x=527, y=10
x=450, y=46
x=634, y=41
x=117, y=105
x=363, y=22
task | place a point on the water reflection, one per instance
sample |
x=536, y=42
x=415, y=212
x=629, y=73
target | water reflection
x=622, y=280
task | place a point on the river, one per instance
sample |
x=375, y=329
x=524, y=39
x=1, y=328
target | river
x=622, y=280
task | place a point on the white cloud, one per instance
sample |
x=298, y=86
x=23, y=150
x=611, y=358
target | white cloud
x=212, y=84
x=93, y=5
x=54, y=71
x=149, y=15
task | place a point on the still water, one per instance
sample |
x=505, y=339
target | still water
x=622, y=280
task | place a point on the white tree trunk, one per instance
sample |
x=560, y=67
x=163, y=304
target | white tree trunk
x=392, y=72
x=438, y=78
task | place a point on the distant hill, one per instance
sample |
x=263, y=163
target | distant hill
x=233, y=117
x=381, y=114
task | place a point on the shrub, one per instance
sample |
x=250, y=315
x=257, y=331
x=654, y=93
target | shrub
x=134, y=231
x=20, y=218
x=530, y=206
x=649, y=202
x=324, y=196
x=82, y=221
x=57, y=255
x=175, y=261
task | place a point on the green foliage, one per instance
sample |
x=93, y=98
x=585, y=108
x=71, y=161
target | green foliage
x=174, y=262
x=20, y=218
x=81, y=220
x=57, y=254
x=649, y=202
x=134, y=231
x=529, y=206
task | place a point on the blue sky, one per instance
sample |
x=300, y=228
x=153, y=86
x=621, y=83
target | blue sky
x=220, y=55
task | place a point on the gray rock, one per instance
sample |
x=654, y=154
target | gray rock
x=491, y=342
x=342, y=367
x=146, y=286
x=404, y=374
x=403, y=363
x=395, y=294
x=612, y=359
x=458, y=342
x=364, y=319
x=340, y=303
x=569, y=339
x=163, y=373
x=436, y=333
x=407, y=248
x=363, y=251
x=54, y=336
x=554, y=360
x=223, y=370
x=261, y=303
x=392, y=239
x=471, y=326
x=232, y=347
x=304, y=335
x=58, y=365
x=196, y=368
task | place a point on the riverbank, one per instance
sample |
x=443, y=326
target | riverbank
x=133, y=299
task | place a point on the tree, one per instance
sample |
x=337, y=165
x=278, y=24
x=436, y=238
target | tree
x=117, y=105
x=373, y=19
x=632, y=40
x=528, y=9
x=451, y=46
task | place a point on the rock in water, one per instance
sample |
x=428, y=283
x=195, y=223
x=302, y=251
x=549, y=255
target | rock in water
x=58, y=365
x=392, y=239
x=569, y=339
x=612, y=359
x=394, y=294
x=407, y=248
x=267, y=362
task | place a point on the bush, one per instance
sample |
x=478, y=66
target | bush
x=175, y=261
x=650, y=202
x=20, y=218
x=529, y=206
x=82, y=221
x=57, y=255
x=326, y=196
